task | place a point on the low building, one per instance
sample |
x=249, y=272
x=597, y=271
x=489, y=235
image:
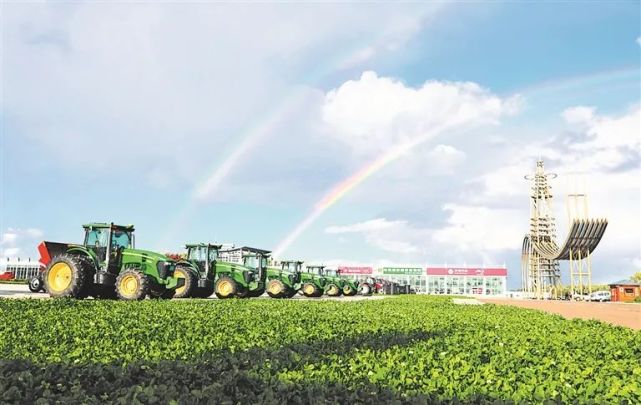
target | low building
x=625, y=291
x=235, y=255
x=17, y=269
x=464, y=280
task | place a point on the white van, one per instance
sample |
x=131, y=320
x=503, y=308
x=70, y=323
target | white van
x=600, y=296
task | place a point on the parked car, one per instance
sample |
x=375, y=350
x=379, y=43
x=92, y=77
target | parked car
x=600, y=296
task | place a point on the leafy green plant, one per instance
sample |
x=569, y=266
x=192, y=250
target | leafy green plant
x=410, y=349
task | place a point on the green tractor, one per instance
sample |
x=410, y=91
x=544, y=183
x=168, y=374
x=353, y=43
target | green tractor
x=106, y=265
x=284, y=281
x=204, y=273
x=348, y=286
x=313, y=282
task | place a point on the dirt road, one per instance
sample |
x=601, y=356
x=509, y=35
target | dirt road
x=611, y=312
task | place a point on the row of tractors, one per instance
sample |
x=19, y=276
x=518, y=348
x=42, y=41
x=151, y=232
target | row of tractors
x=107, y=265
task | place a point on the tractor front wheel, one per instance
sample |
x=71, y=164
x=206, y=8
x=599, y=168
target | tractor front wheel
x=66, y=276
x=189, y=287
x=310, y=290
x=132, y=285
x=225, y=287
x=276, y=289
x=348, y=291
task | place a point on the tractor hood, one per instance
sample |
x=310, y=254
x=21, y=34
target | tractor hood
x=147, y=254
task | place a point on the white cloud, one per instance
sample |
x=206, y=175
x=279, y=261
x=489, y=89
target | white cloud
x=602, y=158
x=579, y=115
x=478, y=228
x=374, y=113
x=15, y=242
x=146, y=85
x=639, y=41
x=390, y=236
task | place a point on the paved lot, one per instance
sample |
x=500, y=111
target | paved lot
x=611, y=312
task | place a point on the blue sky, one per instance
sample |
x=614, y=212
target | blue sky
x=230, y=122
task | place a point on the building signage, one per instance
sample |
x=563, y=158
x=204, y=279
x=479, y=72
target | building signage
x=404, y=271
x=355, y=270
x=466, y=271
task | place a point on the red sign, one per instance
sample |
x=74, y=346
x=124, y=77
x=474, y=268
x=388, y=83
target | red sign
x=465, y=271
x=355, y=270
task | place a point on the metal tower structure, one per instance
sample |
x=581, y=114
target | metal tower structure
x=540, y=254
x=541, y=275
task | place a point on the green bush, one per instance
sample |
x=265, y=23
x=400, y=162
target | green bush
x=411, y=349
x=637, y=299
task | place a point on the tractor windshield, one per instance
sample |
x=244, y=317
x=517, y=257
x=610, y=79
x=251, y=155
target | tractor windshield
x=97, y=238
x=331, y=273
x=255, y=262
x=197, y=254
x=213, y=254
x=120, y=239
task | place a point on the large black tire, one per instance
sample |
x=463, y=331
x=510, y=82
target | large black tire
x=365, y=289
x=90, y=268
x=333, y=290
x=191, y=282
x=36, y=284
x=348, y=291
x=226, y=287
x=67, y=276
x=290, y=293
x=310, y=290
x=276, y=288
x=204, y=292
x=132, y=285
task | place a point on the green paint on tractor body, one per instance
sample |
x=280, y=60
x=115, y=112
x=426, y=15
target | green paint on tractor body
x=347, y=286
x=96, y=266
x=207, y=271
x=284, y=281
x=313, y=276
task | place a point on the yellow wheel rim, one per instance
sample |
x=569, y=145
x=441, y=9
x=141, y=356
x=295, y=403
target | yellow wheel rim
x=180, y=273
x=348, y=290
x=274, y=288
x=59, y=277
x=309, y=289
x=333, y=289
x=225, y=288
x=129, y=284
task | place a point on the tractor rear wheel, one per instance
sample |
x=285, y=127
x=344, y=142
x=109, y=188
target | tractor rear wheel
x=348, y=291
x=225, y=287
x=188, y=289
x=66, y=276
x=310, y=290
x=333, y=290
x=276, y=289
x=132, y=284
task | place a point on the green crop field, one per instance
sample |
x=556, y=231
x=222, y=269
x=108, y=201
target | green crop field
x=409, y=349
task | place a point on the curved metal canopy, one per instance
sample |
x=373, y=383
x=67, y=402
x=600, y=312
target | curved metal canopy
x=583, y=238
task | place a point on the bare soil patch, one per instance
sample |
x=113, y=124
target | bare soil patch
x=611, y=312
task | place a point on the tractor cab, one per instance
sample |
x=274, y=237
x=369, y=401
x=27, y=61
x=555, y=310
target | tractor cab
x=204, y=256
x=107, y=241
x=292, y=266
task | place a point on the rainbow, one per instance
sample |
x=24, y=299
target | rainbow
x=602, y=78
